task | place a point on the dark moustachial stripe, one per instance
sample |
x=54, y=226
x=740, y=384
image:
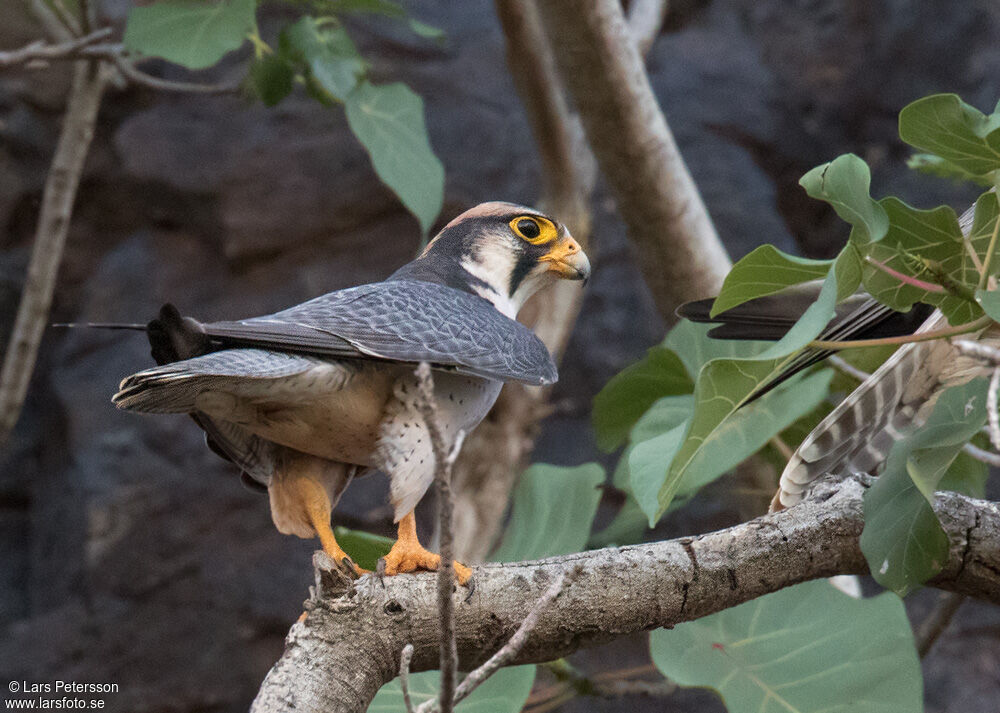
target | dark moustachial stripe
x=526, y=260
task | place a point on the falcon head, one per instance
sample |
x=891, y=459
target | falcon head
x=502, y=252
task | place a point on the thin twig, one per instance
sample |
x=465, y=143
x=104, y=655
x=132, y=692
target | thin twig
x=137, y=76
x=446, y=572
x=41, y=53
x=512, y=648
x=509, y=650
x=979, y=350
x=784, y=450
x=404, y=676
x=905, y=339
x=982, y=455
x=993, y=419
x=61, y=185
x=846, y=367
x=937, y=621
x=41, y=50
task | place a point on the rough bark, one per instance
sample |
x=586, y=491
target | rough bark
x=680, y=254
x=350, y=643
x=89, y=80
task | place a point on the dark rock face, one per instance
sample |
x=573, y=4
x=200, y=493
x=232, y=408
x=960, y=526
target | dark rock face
x=132, y=554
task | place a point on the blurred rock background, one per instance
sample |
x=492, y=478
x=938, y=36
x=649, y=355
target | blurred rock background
x=131, y=554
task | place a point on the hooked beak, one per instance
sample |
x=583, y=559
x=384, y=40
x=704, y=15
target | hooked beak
x=567, y=260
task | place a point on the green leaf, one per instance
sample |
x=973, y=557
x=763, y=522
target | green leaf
x=191, y=33
x=810, y=324
x=662, y=416
x=363, y=547
x=990, y=302
x=804, y=649
x=722, y=434
x=966, y=475
x=932, y=235
x=848, y=267
x=627, y=528
x=946, y=126
x=936, y=166
x=763, y=272
x=958, y=415
x=328, y=52
x=273, y=77
x=504, y=692
x=690, y=341
x=648, y=463
x=903, y=540
x=631, y=392
x=389, y=121
x=552, y=512
x=844, y=183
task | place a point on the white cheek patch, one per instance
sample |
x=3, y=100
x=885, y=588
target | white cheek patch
x=493, y=264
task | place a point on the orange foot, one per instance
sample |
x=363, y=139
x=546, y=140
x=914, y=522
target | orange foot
x=408, y=555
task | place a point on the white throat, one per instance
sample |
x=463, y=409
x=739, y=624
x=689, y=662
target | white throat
x=494, y=287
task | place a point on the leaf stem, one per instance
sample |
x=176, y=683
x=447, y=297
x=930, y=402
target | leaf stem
x=907, y=338
x=905, y=279
x=951, y=285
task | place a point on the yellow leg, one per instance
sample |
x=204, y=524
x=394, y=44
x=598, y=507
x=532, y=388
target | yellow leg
x=317, y=507
x=408, y=555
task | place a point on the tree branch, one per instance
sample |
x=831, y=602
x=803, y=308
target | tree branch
x=89, y=80
x=645, y=18
x=349, y=645
x=680, y=254
x=41, y=53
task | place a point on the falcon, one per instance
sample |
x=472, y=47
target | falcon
x=306, y=399
x=892, y=402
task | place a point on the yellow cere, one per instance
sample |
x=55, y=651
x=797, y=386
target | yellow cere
x=534, y=229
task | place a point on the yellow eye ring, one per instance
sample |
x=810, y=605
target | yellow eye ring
x=534, y=229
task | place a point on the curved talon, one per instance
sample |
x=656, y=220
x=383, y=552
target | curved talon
x=352, y=569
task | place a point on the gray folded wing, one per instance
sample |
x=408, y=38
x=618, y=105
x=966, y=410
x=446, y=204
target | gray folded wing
x=405, y=321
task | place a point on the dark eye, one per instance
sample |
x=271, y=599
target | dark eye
x=528, y=228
